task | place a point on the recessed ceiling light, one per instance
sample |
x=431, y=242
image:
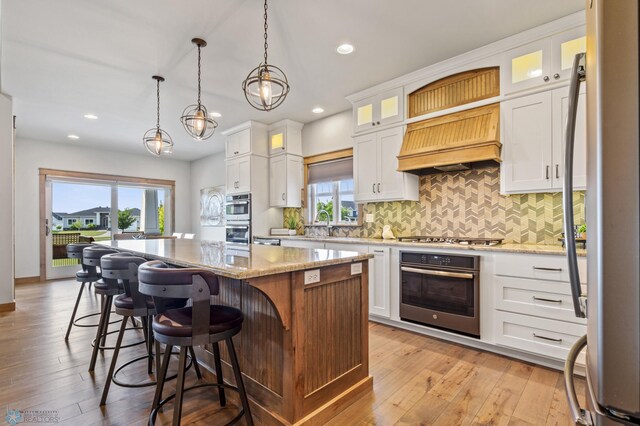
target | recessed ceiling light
x=317, y=110
x=344, y=49
x=215, y=114
x=91, y=116
x=73, y=136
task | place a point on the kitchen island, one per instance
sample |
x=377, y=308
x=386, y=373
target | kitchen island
x=303, y=348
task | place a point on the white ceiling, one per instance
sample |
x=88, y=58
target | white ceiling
x=65, y=58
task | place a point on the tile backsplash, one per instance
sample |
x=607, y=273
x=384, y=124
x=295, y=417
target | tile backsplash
x=466, y=203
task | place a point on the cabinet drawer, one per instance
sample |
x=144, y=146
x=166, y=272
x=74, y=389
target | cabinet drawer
x=547, y=299
x=541, y=267
x=537, y=335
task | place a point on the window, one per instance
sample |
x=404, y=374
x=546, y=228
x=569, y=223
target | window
x=331, y=193
x=70, y=221
x=88, y=221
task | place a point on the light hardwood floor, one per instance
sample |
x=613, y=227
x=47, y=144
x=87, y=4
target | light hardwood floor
x=417, y=380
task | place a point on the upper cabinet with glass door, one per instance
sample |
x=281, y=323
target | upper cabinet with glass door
x=542, y=62
x=378, y=111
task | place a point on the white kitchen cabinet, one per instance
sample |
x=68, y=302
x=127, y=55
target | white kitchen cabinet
x=286, y=180
x=379, y=282
x=534, y=142
x=285, y=136
x=527, y=146
x=239, y=175
x=541, y=62
x=375, y=163
x=560, y=108
x=246, y=138
x=380, y=110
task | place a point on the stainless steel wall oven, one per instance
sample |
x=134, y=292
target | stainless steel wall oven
x=441, y=290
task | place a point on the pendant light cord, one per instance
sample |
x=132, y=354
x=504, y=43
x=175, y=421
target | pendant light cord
x=199, y=103
x=158, y=104
x=266, y=26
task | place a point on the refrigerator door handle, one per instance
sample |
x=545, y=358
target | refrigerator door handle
x=579, y=415
x=578, y=76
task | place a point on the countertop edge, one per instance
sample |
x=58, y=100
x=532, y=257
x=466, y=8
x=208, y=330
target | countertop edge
x=502, y=248
x=243, y=275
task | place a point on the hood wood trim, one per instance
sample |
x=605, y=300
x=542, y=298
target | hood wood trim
x=458, y=89
x=468, y=136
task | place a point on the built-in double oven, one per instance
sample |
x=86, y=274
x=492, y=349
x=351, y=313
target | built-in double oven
x=441, y=290
x=238, y=215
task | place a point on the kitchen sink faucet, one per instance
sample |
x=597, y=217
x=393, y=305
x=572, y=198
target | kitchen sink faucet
x=326, y=213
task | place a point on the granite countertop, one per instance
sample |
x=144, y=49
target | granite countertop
x=509, y=247
x=233, y=262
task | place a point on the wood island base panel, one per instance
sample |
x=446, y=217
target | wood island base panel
x=304, y=348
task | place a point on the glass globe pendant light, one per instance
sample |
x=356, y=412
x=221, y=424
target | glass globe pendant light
x=156, y=140
x=195, y=118
x=266, y=86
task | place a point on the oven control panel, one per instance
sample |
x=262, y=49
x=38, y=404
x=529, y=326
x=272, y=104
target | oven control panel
x=445, y=260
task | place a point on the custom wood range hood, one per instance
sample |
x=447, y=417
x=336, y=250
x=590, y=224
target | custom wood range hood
x=453, y=141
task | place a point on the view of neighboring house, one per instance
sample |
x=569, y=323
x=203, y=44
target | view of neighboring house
x=98, y=216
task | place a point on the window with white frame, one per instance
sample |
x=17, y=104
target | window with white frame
x=88, y=221
x=330, y=191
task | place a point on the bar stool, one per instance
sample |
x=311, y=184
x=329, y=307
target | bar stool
x=199, y=324
x=123, y=267
x=88, y=274
x=91, y=257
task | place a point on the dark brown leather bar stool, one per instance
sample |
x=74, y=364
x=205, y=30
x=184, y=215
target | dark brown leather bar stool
x=199, y=324
x=123, y=268
x=91, y=257
x=88, y=274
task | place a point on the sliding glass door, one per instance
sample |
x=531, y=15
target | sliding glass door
x=93, y=210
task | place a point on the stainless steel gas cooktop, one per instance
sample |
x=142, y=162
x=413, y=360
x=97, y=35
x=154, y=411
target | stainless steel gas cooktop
x=452, y=240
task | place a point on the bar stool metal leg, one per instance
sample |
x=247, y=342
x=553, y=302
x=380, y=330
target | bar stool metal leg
x=162, y=375
x=177, y=402
x=102, y=330
x=116, y=351
x=239, y=382
x=75, y=309
x=219, y=378
x=195, y=362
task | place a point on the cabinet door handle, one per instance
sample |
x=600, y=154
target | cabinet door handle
x=543, y=299
x=542, y=268
x=551, y=339
x=378, y=251
x=378, y=188
x=556, y=76
x=373, y=188
x=557, y=171
x=373, y=124
x=283, y=196
x=546, y=78
x=378, y=123
x=547, y=171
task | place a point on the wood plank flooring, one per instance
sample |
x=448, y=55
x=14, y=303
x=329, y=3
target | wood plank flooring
x=417, y=380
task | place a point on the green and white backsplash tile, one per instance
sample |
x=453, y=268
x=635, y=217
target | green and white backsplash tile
x=467, y=203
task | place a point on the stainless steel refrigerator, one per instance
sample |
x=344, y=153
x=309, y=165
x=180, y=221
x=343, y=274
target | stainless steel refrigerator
x=612, y=301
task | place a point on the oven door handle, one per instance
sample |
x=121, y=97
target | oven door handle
x=437, y=273
x=236, y=227
x=237, y=202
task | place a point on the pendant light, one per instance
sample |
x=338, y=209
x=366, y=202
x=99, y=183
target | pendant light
x=266, y=86
x=195, y=118
x=156, y=140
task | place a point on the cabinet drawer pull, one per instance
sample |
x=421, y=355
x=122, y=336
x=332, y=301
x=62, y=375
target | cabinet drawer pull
x=542, y=299
x=373, y=188
x=542, y=268
x=378, y=188
x=547, y=172
x=378, y=251
x=557, y=171
x=551, y=339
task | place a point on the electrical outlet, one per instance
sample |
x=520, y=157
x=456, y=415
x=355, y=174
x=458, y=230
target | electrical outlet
x=369, y=218
x=356, y=268
x=312, y=276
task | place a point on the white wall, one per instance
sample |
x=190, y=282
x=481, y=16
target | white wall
x=327, y=134
x=32, y=155
x=6, y=200
x=205, y=172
